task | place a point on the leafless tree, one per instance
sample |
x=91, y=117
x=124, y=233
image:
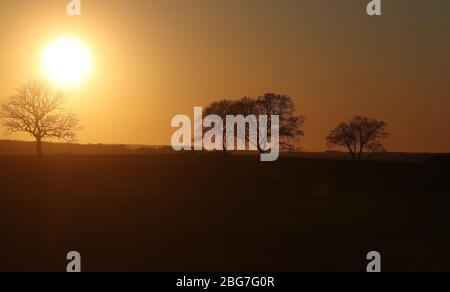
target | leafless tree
x=359, y=135
x=268, y=104
x=38, y=110
x=290, y=124
x=222, y=109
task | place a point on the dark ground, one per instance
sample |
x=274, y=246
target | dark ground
x=207, y=213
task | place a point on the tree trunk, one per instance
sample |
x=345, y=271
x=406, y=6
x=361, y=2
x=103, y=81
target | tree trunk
x=352, y=154
x=39, y=147
x=360, y=155
x=361, y=150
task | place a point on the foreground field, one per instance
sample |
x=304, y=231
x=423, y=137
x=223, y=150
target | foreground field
x=210, y=213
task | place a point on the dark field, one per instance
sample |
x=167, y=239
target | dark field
x=210, y=213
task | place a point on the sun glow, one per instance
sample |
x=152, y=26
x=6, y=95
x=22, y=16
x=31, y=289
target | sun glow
x=66, y=62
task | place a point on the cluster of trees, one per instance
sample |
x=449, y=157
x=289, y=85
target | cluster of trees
x=359, y=135
x=39, y=111
x=290, y=125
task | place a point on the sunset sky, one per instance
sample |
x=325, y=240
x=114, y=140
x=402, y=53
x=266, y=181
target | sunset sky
x=153, y=59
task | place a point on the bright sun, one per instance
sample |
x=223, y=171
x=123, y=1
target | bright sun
x=66, y=62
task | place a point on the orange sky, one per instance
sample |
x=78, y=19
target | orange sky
x=156, y=59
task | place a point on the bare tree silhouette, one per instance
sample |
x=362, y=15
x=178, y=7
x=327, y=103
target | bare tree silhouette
x=268, y=104
x=359, y=135
x=38, y=110
x=290, y=124
x=222, y=109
